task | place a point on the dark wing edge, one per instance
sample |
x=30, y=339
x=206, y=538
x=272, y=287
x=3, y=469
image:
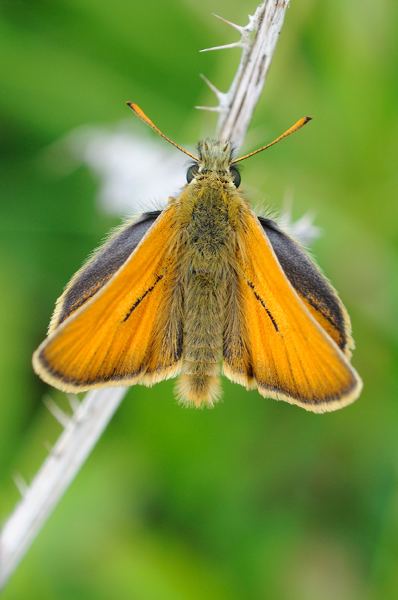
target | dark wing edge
x=101, y=266
x=311, y=285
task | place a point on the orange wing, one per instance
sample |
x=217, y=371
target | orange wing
x=125, y=333
x=283, y=350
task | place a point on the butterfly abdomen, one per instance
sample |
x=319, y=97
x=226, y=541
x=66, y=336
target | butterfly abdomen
x=204, y=307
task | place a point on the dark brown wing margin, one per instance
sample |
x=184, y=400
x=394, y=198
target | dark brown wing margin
x=310, y=284
x=101, y=266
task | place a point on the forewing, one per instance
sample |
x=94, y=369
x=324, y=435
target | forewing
x=128, y=331
x=319, y=296
x=284, y=350
x=101, y=266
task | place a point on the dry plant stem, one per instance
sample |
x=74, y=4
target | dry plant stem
x=81, y=430
x=258, y=41
x=91, y=416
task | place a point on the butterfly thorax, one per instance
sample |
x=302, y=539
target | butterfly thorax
x=209, y=201
x=208, y=230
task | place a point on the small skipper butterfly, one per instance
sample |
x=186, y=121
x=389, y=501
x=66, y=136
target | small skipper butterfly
x=203, y=286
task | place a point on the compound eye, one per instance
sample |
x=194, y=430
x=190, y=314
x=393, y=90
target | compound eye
x=235, y=176
x=192, y=172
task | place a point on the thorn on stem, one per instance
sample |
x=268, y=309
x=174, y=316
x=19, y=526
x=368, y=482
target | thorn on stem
x=62, y=418
x=213, y=88
x=210, y=108
x=234, y=25
x=73, y=402
x=20, y=484
x=224, y=47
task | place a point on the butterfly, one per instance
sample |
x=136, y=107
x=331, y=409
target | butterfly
x=202, y=287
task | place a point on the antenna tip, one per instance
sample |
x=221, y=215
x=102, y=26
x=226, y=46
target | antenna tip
x=139, y=112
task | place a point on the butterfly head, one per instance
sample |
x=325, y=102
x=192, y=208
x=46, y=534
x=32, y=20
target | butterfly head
x=214, y=161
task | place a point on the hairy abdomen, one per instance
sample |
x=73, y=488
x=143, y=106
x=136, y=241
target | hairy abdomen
x=204, y=315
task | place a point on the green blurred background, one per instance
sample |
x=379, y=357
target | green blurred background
x=254, y=499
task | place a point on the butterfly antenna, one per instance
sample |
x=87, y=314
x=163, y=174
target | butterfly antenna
x=298, y=125
x=141, y=115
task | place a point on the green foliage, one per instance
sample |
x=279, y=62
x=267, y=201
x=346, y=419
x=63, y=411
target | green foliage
x=254, y=499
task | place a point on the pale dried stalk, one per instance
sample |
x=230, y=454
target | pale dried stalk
x=81, y=431
x=91, y=416
x=258, y=41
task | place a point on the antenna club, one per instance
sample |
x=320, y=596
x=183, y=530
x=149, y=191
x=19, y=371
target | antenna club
x=297, y=125
x=140, y=113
